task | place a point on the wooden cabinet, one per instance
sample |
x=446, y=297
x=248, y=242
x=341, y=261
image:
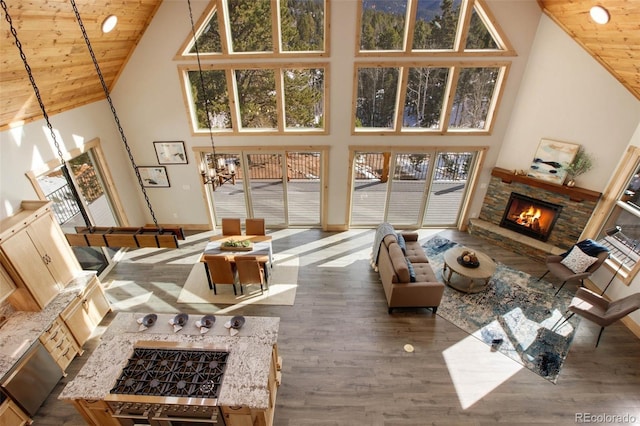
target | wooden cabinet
x=36, y=255
x=60, y=343
x=245, y=416
x=95, y=412
x=83, y=314
x=12, y=415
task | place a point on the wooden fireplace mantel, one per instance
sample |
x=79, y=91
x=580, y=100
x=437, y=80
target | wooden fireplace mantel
x=574, y=193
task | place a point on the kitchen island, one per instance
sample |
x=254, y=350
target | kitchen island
x=246, y=395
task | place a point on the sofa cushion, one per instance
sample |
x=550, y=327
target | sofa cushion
x=399, y=263
x=424, y=273
x=412, y=272
x=402, y=243
x=390, y=239
x=415, y=253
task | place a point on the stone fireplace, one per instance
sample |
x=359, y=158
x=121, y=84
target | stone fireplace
x=571, y=209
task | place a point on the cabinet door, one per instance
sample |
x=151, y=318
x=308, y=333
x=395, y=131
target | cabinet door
x=31, y=267
x=96, y=303
x=6, y=284
x=12, y=415
x=52, y=245
x=83, y=315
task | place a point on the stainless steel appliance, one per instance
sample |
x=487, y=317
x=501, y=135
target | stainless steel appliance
x=32, y=379
x=169, y=387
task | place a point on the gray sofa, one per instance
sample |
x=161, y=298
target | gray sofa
x=410, y=284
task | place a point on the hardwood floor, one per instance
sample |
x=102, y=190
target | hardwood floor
x=343, y=357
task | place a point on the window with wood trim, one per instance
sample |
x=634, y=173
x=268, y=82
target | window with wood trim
x=443, y=98
x=269, y=99
x=414, y=97
x=429, y=27
x=258, y=97
x=624, y=216
x=260, y=28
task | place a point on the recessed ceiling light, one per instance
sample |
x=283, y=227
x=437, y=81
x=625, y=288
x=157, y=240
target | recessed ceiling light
x=109, y=23
x=599, y=14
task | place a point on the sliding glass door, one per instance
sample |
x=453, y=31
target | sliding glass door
x=409, y=189
x=283, y=187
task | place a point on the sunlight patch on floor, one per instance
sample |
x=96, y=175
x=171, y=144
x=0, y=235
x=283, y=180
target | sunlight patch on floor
x=476, y=370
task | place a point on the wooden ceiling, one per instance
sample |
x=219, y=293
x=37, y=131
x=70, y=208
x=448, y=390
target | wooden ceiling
x=58, y=56
x=616, y=45
x=55, y=50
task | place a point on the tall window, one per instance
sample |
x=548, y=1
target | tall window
x=410, y=97
x=621, y=231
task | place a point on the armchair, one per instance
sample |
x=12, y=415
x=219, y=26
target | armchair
x=561, y=271
x=603, y=312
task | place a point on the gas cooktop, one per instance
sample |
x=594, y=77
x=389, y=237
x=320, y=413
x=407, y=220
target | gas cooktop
x=191, y=373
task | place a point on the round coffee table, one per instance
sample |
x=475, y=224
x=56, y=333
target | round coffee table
x=469, y=275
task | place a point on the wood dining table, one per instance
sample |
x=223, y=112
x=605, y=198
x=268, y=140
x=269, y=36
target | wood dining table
x=261, y=249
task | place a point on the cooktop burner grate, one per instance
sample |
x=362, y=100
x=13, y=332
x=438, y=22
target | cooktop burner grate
x=172, y=372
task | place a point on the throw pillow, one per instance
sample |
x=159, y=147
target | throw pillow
x=402, y=243
x=412, y=272
x=577, y=260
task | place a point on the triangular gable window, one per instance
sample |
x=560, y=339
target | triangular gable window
x=208, y=36
x=428, y=27
x=480, y=37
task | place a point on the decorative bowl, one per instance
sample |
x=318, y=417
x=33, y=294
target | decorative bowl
x=468, y=264
x=149, y=320
x=237, y=321
x=180, y=319
x=207, y=321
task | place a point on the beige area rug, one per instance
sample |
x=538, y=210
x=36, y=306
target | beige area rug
x=283, y=282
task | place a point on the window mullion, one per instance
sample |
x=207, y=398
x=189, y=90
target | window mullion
x=280, y=100
x=403, y=81
x=276, y=37
x=234, y=102
x=463, y=28
x=410, y=25
x=452, y=83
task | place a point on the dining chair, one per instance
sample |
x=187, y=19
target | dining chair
x=231, y=226
x=250, y=271
x=220, y=271
x=254, y=226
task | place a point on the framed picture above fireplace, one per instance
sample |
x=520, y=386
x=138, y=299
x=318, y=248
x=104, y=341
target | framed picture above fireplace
x=551, y=160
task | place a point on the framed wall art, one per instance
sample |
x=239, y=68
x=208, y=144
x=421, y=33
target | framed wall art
x=154, y=176
x=171, y=152
x=551, y=160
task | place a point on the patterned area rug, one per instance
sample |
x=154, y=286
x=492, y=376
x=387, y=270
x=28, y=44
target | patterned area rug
x=516, y=308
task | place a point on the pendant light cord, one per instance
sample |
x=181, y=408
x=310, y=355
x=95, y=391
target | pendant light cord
x=113, y=111
x=205, y=101
x=63, y=164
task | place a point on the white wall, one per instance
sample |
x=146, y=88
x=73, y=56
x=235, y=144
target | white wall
x=31, y=146
x=566, y=95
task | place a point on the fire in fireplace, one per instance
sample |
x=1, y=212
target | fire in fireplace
x=530, y=216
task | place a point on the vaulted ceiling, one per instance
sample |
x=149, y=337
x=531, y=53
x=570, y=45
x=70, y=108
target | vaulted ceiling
x=62, y=69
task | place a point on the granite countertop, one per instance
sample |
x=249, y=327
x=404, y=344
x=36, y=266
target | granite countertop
x=245, y=381
x=23, y=328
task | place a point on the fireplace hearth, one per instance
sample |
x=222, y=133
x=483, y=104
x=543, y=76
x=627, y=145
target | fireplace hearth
x=530, y=216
